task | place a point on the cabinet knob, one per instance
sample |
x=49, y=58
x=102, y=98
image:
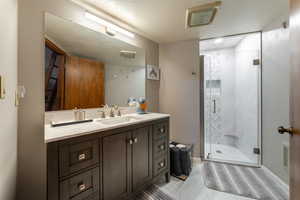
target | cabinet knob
x=81, y=156
x=162, y=130
x=162, y=164
x=130, y=141
x=162, y=147
x=81, y=186
x=135, y=140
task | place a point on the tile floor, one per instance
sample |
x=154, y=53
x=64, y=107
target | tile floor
x=194, y=189
x=227, y=153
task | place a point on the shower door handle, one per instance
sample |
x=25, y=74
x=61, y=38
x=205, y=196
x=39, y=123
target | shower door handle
x=215, y=109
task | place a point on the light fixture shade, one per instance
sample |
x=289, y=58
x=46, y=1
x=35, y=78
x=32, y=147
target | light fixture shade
x=108, y=25
x=202, y=15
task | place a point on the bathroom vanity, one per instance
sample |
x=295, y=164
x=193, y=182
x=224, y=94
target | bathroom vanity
x=107, y=159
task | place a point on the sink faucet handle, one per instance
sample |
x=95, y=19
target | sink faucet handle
x=105, y=106
x=111, y=113
x=119, y=112
x=116, y=107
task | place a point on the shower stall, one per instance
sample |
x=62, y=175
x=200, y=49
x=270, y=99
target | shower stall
x=231, y=99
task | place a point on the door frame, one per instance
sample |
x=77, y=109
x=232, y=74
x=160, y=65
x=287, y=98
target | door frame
x=294, y=99
x=202, y=107
x=51, y=45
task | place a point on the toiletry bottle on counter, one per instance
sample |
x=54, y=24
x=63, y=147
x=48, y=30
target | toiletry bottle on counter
x=132, y=102
x=79, y=115
x=76, y=114
x=142, y=106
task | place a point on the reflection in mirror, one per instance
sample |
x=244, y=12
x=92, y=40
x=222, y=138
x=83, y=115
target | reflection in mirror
x=88, y=69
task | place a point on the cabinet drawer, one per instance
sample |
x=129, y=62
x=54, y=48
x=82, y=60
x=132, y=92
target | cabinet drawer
x=160, y=165
x=84, y=186
x=161, y=130
x=75, y=156
x=160, y=147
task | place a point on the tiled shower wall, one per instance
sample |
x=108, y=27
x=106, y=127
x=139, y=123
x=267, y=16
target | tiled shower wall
x=220, y=65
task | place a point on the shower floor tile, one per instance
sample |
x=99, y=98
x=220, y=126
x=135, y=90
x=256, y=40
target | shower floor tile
x=226, y=153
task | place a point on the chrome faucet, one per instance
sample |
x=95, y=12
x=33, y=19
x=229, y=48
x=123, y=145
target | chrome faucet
x=110, y=111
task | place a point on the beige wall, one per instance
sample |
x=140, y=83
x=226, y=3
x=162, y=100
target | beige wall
x=180, y=90
x=8, y=111
x=31, y=147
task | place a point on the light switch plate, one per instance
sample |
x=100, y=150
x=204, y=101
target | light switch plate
x=2, y=88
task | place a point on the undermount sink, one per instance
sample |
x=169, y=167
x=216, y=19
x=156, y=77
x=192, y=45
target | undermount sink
x=117, y=120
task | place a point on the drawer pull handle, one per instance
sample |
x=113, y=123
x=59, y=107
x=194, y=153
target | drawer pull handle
x=81, y=157
x=162, y=164
x=135, y=140
x=81, y=186
x=162, y=130
x=130, y=141
x=162, y=147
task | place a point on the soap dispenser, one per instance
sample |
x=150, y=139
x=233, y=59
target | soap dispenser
x=142, y=106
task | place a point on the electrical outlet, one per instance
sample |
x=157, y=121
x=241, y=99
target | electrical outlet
x=2, y=88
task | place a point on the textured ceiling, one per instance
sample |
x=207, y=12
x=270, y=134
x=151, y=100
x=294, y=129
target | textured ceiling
x=164, y=20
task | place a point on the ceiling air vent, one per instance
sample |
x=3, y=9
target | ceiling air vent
x=202, y=15
x=128, y=54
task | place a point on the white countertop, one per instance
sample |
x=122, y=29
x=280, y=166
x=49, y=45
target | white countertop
x=53, y=134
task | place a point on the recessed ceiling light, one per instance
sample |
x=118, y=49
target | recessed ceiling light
x=219, y=40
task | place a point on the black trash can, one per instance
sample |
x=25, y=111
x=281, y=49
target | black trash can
x=181, y=159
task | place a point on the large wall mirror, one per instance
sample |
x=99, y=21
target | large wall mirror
x=87, y=69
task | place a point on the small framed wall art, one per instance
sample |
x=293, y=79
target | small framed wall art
x=153, y=72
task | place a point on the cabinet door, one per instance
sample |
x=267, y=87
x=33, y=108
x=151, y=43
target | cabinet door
x=141, y=157
x=116, y=166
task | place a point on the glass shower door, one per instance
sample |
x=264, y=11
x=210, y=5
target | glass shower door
x=212, y=101
x=232, y=107
x=207, y=108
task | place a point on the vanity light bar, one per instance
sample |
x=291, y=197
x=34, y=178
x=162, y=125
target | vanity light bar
x=108, y=25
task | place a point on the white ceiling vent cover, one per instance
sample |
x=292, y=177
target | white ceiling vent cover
x=202, y=15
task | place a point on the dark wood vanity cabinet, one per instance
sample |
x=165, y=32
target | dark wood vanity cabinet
x=127, y=162
x=109, y=165
x=116, y=166
x=141, y=157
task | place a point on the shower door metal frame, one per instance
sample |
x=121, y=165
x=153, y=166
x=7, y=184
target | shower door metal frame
x=202, y=107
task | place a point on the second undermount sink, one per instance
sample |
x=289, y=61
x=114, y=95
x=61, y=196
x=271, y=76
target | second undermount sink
x=117, y=120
